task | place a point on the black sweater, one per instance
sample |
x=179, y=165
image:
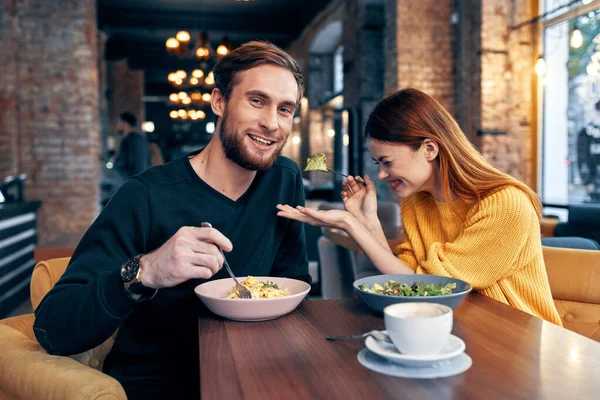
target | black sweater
x=157, y=339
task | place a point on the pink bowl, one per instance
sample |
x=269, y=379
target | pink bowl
x=212, y=295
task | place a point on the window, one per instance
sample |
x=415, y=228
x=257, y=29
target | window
x=338, y=70
x=571, y=109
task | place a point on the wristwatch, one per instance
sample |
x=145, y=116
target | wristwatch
x=131, y=273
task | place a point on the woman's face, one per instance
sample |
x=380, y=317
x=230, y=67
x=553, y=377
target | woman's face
x=408, y=171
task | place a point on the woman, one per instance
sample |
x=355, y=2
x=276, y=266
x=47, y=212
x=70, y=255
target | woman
x=462, y=217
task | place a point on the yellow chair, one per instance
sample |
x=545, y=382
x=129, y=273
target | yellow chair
x=574, y=277
x=28, y=372
x=548, y=225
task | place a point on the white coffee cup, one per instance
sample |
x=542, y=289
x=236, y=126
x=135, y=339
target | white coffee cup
x=418, y=328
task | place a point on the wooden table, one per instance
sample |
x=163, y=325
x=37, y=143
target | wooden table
x=63, y=246
x=341, y=238
x=514, y=356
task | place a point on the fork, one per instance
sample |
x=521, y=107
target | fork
x=242, y=290
x=359, y=179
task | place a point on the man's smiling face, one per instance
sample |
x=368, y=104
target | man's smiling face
x=257, y=118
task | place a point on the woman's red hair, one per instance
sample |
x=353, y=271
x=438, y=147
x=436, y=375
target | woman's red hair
x=409, y=116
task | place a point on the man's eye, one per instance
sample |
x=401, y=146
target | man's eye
x=256, y=101
x=387, y=163
x=285, y=110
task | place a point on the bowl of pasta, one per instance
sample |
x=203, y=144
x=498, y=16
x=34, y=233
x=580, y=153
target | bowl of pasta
x=380, y=291
x=272, y=297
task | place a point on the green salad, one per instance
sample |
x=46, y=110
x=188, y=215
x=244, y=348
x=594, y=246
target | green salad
x=393, y=288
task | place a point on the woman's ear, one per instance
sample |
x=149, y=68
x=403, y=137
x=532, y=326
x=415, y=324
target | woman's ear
x=431, y=149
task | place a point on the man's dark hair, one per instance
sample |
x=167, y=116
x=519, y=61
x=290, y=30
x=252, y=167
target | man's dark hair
x=250, y=55
x=129, y=118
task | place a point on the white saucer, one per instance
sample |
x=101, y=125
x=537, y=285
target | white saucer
x=454, y=366
x=453, y=348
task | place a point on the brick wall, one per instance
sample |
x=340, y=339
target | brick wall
x=8, y=89
x=50, y=86
x=506, y=87
x=423, y=49
x=480, y=70
x=125, y=92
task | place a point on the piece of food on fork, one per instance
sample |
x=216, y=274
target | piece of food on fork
x=318, y=162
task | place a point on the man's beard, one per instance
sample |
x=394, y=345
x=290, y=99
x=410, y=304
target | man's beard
x=236, y=150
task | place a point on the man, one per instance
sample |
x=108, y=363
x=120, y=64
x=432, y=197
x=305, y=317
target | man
x=134, y=150
x=152, y=228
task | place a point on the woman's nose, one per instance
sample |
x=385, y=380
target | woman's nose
x=382, y=174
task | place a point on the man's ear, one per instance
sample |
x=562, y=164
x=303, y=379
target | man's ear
x=431, y=149
x=217, y=102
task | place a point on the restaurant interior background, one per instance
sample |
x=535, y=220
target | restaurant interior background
x=522, y=78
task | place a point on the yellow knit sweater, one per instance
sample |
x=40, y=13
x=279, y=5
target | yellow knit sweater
x=496, y=247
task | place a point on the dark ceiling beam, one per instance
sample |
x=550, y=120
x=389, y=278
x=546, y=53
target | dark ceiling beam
x=258, y=24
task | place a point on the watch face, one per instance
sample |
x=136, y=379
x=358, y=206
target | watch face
x=130, y=269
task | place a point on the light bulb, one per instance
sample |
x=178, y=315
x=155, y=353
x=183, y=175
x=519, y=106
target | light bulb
x=198, y=73
x=210, y=127
x=181, y=74
x=183, y=36
x=173, y=114
x=296, y=139
x=222, y=50
x=331, y=133
x=148, y=126
x=206, y=97
x=540, y=67
x=576, y=39
x=172, y=43
x=174, y=98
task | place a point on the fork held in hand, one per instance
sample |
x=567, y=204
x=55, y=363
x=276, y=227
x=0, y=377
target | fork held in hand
x=359, y=179
x=242, y=290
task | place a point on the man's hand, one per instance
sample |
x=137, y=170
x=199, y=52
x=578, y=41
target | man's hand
x=191, y=253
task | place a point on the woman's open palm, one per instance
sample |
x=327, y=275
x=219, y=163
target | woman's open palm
x=325, y=218
x=360, y=199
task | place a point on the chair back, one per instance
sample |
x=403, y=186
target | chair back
x=336, y=268
x=574, y=277
x=44, y=277
x=571, y=242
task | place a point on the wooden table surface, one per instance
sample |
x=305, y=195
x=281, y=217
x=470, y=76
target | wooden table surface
x=514, y=356
x=341, y=238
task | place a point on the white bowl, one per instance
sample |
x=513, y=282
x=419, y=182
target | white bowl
x=213, y=295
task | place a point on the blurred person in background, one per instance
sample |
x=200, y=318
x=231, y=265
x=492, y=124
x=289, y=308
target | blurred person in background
x=134, y=151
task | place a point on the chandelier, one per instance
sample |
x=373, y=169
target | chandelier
x=192, y=89
x=182, y=46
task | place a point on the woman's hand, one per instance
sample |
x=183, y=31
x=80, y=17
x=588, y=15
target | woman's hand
x=326, y=218
x=360, y=199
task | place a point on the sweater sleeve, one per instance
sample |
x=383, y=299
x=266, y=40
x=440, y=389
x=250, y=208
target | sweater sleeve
x=405, y=253
x=291, y=260
x=491, y=246
x=89, y=301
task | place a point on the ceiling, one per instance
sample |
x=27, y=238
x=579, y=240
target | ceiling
x=138, y=29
